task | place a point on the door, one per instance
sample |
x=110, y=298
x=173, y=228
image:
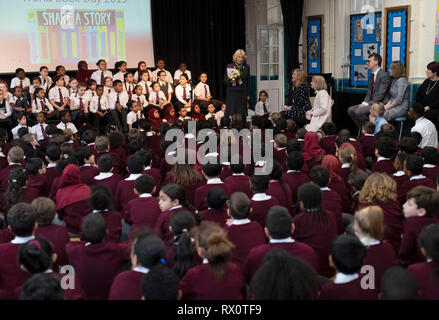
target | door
x=270, y=61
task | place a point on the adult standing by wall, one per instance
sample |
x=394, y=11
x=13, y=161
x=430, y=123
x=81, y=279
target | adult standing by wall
x=379, y=84
x=237, y=88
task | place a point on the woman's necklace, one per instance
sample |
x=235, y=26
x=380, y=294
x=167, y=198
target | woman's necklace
x=428, y=89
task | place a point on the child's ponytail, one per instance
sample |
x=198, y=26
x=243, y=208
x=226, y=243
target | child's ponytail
x=17, y=181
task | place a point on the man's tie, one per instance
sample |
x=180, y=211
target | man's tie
x=61, y=99
x=205, y=91
x=372, y=94
x=102, y=78
x=45, y=136
x=265, y=108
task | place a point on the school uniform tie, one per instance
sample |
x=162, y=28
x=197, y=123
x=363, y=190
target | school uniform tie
x=65, y=125
x=99, y=104
x=81, y=104
x=109, y=91
x=45, y=136
x=146, y=88
x=21, y=83
x=265, y=108
x=158, y=98
x=43, y=106
x=205, y=91
x=184, y=94
x=137, y=117
x=118, y=99
x=102, y=78
x=61, y=99
x=138, y=101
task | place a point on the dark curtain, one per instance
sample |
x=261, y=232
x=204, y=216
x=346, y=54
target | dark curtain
x=292, y=11
x=202, y=33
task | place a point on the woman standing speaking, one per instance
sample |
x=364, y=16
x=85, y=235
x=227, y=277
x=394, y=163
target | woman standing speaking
x=237, y=81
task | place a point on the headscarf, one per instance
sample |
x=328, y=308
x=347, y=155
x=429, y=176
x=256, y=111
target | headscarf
x=198, y=115
x=71, y=190
x=155, y=123
x=168, y=114
x=83, y=76
x=332, y=164
x=311, y=148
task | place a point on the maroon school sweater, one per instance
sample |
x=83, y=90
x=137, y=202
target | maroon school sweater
x=162, y=225
x=113, y=221
x=73, y=214
x=155, y=173
x=393, y=222
x=260, y=210
x=6, y=235
x=201, y=194
x=295, y=180
x=285, y=198
x=381, y=257
x=319, y=236
x=400, y=179
x=219, y=216
x=39, y=183
x=51, y=174
x=97, y=265
x=116, y=161
x=384, y=166
x=328, y=144
x=11, y=275
x=331, y=202
x=369, y=145
x=342, y=191
x=245, y=237
x=111, y=183
x=426, y=275
x=127, y=286
x=281, y=157
x=4, y=176
x=124, y=193
x=142, y=212
x=122, y=159
x=3, y=162
x=87, y=174
x=411, y=184
x=189, y=190
x=431, y=173
x=297, y=249
x=239, y=184
x=54, y=188
x=200, y=283
x=226, y=172
x=346, y=291
x=59, y=237
x=409, y=251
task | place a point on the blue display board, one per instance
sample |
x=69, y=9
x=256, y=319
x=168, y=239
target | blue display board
x=397, y=23
x=366, y=31
x=315, y=44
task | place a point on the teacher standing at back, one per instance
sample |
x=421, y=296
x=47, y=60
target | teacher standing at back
x=237, y=81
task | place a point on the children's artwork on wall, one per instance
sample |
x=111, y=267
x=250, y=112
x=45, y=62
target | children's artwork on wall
x=314, y=45
x=436, y=43
x=365, y=40
x=397, y=36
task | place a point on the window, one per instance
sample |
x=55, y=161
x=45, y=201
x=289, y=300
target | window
x=363, y=6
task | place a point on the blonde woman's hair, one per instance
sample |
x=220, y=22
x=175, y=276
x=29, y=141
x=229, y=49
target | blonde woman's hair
x=239, y=52
x=348, y=154
x=218, y=249
x=379, y=187
x=320, y=83
x=301, y=77
x=398, y=70
x=379, y=109
x=370, y=221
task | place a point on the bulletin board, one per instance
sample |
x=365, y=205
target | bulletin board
x=315, y=44
x=397, y=36
x=366, y=33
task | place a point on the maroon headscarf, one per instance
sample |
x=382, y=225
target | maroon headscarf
x=83, y=76
x=311, y=148
x=332, y=164
x=71, y=189
x=155, y=123
x=168, y=114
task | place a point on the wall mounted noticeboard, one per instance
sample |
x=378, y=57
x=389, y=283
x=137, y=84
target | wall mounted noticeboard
x=397, y=36
x=314, y=55
x=365, y=39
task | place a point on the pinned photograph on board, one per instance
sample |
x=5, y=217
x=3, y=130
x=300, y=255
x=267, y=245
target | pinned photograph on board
x=379, y=28
x=358, y=31
x=368, y=49
x=314, y=48
x=361, y=72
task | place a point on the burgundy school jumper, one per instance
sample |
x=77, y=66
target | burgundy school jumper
x=426, y=275
x=200, y=283
x=239, y=183
x=245, y=237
